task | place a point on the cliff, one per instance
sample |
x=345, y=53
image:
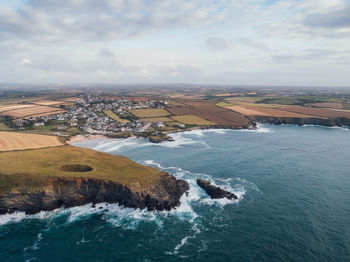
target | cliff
x=340, y=121
x=36, y=180
x=34, y=194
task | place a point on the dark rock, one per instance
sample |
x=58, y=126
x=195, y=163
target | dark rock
x=159, y=139
x=214, y=191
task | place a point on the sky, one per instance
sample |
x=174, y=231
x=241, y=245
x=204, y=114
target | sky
x=234, y=42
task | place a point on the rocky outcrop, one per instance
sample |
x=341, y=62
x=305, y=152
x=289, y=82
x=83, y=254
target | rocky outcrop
x=159, y=139
x=214, y=191
x=34, y=194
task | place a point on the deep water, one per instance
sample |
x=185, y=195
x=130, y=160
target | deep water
x=294, y=188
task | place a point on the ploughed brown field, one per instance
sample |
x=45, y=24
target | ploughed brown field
x=10, y=141
x=212, y=113
x=31, y=111
x=318, y=112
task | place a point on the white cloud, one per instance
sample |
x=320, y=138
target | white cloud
x=196, y=41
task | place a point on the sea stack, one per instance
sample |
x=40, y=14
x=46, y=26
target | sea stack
x=213, y=191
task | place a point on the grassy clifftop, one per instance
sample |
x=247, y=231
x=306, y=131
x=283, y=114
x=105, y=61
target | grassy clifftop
x=63, y=161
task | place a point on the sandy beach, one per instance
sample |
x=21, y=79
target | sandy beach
x=83, y=138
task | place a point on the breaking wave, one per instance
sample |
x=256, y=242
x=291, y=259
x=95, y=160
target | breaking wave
x=117, y=144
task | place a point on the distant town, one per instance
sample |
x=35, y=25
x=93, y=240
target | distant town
x=154, y=113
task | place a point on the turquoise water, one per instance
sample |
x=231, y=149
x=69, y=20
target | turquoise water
x=294, y=189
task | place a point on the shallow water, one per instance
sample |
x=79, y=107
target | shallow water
x=294, y=188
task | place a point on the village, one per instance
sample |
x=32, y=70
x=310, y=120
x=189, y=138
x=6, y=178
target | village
x=97, y=115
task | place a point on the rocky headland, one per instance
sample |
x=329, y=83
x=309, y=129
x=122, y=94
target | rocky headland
x=42, y=180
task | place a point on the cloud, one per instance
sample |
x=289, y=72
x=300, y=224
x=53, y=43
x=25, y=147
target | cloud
x=338, y=19
x=102, y=20
x=24, y=61
x=216, y=44
x=196, y=41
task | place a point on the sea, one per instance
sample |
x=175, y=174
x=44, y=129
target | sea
x=293, y=185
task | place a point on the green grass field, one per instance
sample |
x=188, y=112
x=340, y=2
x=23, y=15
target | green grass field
x=192, y=120
x=225, y=104
x=43, y=163
x=115, y=117
x=152, y=112
x=156, y=119
x=4, y=127
x=297, y=100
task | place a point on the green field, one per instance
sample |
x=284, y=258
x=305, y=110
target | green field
x=297, y=100
x=43, y=163
x=192, y=120
x=152, y=112
x=115, y=117
x=4, y=127
x=225, y=104
x=156, y=119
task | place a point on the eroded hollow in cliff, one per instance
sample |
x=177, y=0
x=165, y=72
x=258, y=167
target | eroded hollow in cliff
x=76, y=168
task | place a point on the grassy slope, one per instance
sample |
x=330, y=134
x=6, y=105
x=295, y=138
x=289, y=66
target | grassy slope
x=4, y=127
x=43, y=163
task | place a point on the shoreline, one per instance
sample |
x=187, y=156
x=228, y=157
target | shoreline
x=79, y=138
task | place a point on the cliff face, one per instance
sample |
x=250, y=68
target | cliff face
x=34, y=194
x=341, y=121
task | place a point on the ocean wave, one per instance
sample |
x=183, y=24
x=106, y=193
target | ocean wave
x=20, y=216
x=181, y=139
x=235, y=185
x=343, y=128
x=203, y=132
x=195, y=231
x=260, y=128
x=117, y=144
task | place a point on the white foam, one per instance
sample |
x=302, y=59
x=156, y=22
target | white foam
x=115, y=145
x=19, y=216
x=343, y=128
x=179, y=141
x=196, y=231
x=12, y=218
x=236, y=185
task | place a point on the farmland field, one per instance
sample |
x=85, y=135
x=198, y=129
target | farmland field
x=31, y=111
x=319, y=112
x=49, y=102
x=227, y=105
x=150, y=112
x=10, y=141
x=115, y=117
x=247, y=99
x=46, y=114
x=212, y=113
x=192, y=120
x=247, y=111
x=327, y=105
x=14, y=107
x=156, y=119
x=276, y=112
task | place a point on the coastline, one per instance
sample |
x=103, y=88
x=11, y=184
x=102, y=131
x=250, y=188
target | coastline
x=79, y=138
